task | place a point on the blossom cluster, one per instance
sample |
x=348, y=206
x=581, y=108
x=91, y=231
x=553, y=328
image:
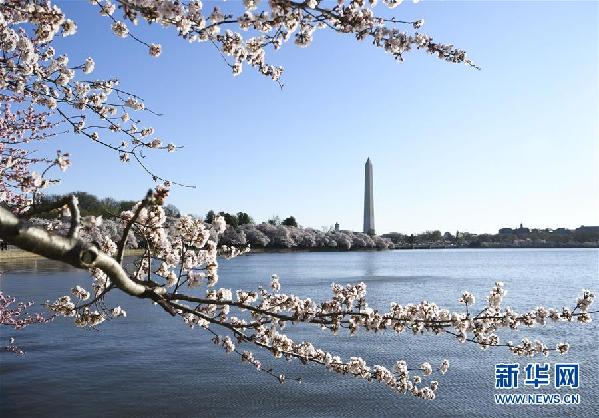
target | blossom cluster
x=261, y=317
x=83, y=314
x=15, y=315
x=397, y=379
x=186, y=253
x=180, y=253
x=34, y=76
x=273, y=24
x=22, y=172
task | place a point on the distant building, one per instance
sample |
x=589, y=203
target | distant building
x=522, y=230
x=336, y=226
x=518, y=231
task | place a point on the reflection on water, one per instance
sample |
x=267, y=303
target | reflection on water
x=41, y=266
x=32, y=266
x=150, y=364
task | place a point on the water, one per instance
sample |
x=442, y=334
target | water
x=151, y=365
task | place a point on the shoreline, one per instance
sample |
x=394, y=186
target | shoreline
x=23, y=255
x=331, y=250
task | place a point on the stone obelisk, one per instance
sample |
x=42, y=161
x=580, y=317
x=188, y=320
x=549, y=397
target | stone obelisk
x=368, y=200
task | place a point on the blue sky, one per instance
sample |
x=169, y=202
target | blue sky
x=453, y=148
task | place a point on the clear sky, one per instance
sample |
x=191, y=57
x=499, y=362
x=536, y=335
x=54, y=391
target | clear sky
x=453, y=148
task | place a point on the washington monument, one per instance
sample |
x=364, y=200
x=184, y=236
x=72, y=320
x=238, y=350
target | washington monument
x=368, y=200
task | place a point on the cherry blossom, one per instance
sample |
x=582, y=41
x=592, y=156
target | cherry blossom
x=15, y=315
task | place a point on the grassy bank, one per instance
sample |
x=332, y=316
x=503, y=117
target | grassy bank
x=20, y=254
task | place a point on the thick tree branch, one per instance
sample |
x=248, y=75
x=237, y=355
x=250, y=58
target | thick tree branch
x=69, y=250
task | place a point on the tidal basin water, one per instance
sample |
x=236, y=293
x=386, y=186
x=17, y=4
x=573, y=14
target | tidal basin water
x=152, y=365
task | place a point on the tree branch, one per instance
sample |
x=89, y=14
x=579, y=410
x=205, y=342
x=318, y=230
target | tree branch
x=73, y=205
x=70, y=250
x=122, y=243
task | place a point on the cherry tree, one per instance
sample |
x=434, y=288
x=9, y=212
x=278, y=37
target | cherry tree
x=178, y=270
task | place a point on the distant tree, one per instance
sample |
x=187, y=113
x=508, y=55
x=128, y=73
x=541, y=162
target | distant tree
x=448, y=237
x=428, y=237
x=275, y=220
x=278, y=235
x=232, y=236
x=109, y=203
x=290, y=221
x=395, y=237
x=210, y=216
x=581, y=235
x=327, y=228
x=381, y=243
x=230, y=219
x=484, y=238
x=88, y=204
x=304, y=237
x=559, y=238
x=124, y=205
x=325, y=240
x=330, y=240
x=172, y=211
x=467, y=237
x=343, y=240
x=434, y=235
x=361, y=240
x=255, y=237
x=506, y=238
x=243, y=218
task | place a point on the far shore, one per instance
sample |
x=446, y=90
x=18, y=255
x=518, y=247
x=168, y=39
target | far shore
x=17, y=254
x=269, y=250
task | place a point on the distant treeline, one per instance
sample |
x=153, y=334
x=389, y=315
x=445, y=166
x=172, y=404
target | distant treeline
x=520, y=237
x=277, y=233
x=241, y=227
x=91, y=205
x=267, y=235
x=287, y=233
